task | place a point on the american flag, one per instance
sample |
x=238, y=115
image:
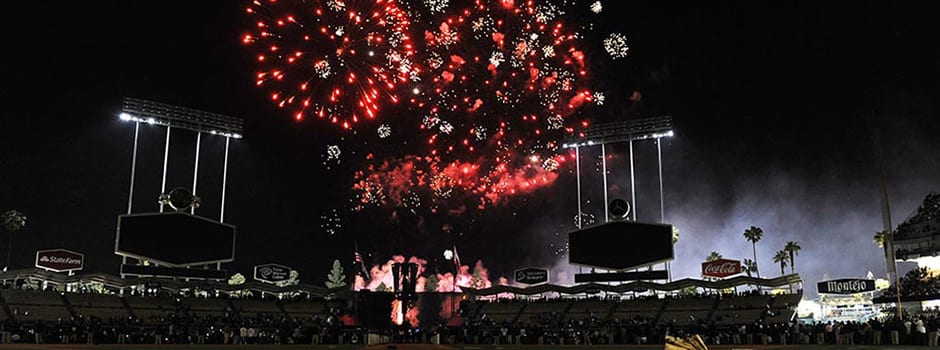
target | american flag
x=362, y=264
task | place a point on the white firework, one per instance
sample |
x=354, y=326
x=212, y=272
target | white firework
x=550, y=164
x=340, y=31
x=430, y=121
x=548, y=51
x=435, y=61
x=322, y=69
x=333, y=152
x=447, y=37
x=446, y=127
x=481, y=26
x=384, y=131
x=411, y=201
x=331, y=222
x=599, y=98
x=480, y=133
x=585, y=220
x=336, y=5
x=436, y=5
x=545, y=13
x=496, y=58
x=555, y=122
x=596, y=7
x=616, y=45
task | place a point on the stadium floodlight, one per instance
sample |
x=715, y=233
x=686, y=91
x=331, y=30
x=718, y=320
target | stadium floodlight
x=654, y=128
x=177, y=117
x=156, y=113
x=631, y=130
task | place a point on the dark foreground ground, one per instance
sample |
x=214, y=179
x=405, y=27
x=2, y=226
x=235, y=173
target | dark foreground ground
x=429, y=347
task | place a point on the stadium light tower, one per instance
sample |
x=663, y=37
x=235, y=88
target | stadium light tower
x=633, y=130
x=156, y=113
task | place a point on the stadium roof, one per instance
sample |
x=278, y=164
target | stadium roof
x=639, y=286
x=114, y=282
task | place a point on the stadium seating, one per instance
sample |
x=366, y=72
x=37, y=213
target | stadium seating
x=103, y=306
x=151, y=309
x=36, y=305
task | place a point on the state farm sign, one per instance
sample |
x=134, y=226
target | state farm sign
x=721, y=268
x=59, y=260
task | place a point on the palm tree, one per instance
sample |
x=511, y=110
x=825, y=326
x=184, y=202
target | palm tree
x=749, y=266
x=880, y=238
x=753, y=235
x=781, y=258
x=713, y=256
x=12, y=221
x=793, y=248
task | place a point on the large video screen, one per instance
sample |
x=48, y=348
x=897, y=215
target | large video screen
x=620, y=245
x=175, y=238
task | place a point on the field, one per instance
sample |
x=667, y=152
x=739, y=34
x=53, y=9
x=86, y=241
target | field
x=426, y=347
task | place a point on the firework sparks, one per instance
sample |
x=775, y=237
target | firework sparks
x=586, y=220
x=384, y=131
x=504, y=81
x=436, y=5
x=337, y=60
x=616, y=45
x=597, y=7
x=332, y=153
x=330, y=222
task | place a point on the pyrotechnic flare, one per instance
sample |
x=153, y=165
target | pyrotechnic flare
x=337, y=60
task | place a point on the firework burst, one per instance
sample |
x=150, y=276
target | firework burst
x=502, y=84
x=338, y=60
x=616, y=45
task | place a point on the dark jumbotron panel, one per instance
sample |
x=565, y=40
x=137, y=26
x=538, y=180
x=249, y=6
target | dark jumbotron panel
x=621, y=245
x=175, y=238
x=162, y=271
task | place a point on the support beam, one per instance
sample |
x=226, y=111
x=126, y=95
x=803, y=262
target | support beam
x=166, y=157
x=632, y=184
x=130, y=197
x=577, y=156
x=224, y=180
x=604, y=168
x=196, y=169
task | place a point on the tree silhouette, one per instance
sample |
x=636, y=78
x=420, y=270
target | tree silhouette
x=754, y=235
x=336, y=278
x=793, y=248
x=781, y=258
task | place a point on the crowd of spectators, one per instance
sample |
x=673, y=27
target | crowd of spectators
x=554, y=325
x=188, y=329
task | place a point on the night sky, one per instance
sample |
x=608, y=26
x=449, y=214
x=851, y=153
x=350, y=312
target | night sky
x=774, y=109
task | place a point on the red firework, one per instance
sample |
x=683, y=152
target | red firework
x=500, y=75
x=338, y=60
x=501, y=87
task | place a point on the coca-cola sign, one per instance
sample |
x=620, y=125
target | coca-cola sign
x=721, y=268
x=845, y=286
x=59, y=260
